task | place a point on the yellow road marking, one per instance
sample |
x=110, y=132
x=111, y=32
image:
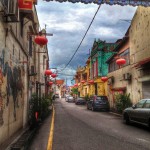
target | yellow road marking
x=50, y=139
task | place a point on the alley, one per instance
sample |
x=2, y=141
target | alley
x=77, y=128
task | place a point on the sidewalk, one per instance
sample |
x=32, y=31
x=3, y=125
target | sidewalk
x=27, y=139
x=40, y=140
x=13, y=138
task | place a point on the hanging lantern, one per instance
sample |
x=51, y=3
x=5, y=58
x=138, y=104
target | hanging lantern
x=50, y=83
x=41, y=40
x=53, y=75
x=104, y=79
x=91, y=81
x=75, y=85
x=48, y=72
x=120, y=61
x=83, y=81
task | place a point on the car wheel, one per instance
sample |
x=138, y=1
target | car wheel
x=108, y=109
x=127, y=119
x=93, y=109
x=87, y=107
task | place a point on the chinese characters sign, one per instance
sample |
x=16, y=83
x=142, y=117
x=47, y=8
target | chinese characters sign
x=26, y=4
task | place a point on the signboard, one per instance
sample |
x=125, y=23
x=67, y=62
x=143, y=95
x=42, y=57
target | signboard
x=25, y=5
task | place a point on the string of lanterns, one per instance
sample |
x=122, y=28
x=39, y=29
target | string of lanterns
x=120, y=62
x=50, y=73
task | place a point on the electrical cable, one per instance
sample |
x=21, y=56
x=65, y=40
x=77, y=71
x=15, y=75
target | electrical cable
x=82, y=38
x=65, y=74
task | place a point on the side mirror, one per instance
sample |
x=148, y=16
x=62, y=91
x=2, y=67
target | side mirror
x=134, y=106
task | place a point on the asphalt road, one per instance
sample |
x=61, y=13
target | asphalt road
x=77, y=128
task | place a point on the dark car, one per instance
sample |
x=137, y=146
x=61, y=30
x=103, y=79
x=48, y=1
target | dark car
x=139, y=113
x=98, y=103
x=80, y=101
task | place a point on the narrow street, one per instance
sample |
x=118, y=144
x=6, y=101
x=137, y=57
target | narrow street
x=77, y=128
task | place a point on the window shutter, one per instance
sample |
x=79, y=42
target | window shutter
x=30, y=46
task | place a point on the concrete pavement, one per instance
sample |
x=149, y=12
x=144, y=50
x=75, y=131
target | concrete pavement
x=77, y=128
x=40, y=141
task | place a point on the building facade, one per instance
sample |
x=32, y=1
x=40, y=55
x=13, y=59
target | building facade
x=18, y=65
x=119, y=76
x=101, y=51
x=134, y=76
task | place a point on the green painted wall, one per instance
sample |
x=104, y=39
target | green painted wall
x=104, y=51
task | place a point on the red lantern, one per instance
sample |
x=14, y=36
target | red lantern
x=50, y=83
x=41, y=40
x=75, y=85
x=91, y=81
x=120, y=61
x=83, y=81
x=48, y=72
x=104, y=79
x=53, y=75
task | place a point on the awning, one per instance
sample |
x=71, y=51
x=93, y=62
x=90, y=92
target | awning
x=142, y=62
x=118, y=89
x=145, y=3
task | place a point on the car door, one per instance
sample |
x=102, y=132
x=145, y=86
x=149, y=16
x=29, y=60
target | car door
x=146, y=112
x=137, y=112
x=90, y=103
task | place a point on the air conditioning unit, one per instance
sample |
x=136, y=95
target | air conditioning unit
x=11, y=10
x=127, y=76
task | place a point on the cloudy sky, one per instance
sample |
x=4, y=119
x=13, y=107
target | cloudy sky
x=68, y=22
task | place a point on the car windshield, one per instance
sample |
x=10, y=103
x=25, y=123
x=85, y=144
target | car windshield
x=103, y=98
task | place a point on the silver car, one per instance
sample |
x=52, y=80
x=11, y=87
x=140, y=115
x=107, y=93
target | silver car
x=138, y=113
x=70, y=99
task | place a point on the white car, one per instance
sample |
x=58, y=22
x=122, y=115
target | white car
x=66, y=97
x=70, y=99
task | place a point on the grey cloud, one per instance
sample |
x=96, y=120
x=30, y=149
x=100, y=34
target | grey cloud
x=69, y=22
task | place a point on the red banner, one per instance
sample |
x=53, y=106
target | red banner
x=25, y=4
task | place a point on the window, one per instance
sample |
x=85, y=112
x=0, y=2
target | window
x=140, y=104
x=113, y=66
x=30, y=46
x=125, y=55
x=147, y=104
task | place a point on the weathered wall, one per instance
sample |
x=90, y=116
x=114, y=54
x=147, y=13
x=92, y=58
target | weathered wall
x=139, y=47
x=14, y=63
x=13, y=87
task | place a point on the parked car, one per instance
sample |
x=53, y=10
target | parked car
x=70, y=99
x=138, y=113
x=56, y=95
x=80, y=101
x=66, y=97
x=98, y=103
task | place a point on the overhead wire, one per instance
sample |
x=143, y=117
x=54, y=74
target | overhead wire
x=82, y=38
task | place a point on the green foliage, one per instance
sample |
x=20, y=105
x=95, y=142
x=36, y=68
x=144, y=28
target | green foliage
x=33, y=108
x=74, y=90
x=40, y=105
x=86, y=97
x=122, y=101
x=45, y=103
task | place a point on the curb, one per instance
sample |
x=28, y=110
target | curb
x=115, y=114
